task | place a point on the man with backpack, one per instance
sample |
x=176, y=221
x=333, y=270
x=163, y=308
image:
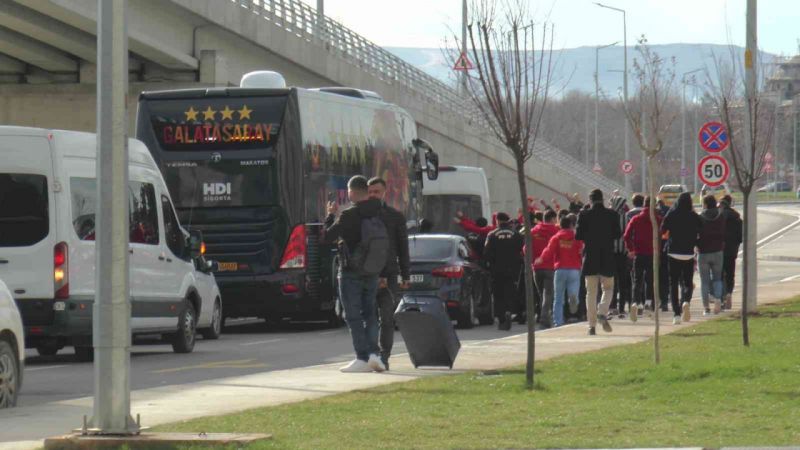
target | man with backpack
x=503, y=256
x=397, y=264
x=363, y=251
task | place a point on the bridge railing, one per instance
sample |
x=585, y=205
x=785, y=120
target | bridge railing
x=302, y=20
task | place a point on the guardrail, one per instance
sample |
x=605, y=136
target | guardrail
x=302, y=20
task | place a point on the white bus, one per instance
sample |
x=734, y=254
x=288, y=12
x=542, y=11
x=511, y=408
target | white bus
x=458, y=188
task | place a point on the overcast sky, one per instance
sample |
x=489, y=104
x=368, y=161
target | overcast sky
x=425, y=23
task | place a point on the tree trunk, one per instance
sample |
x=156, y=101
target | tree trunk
x=527, y=263
x=651, y=186
x=745, y=266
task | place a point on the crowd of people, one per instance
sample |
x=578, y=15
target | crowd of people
x=590, y=261
x=604, y=251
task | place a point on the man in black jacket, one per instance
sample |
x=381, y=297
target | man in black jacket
x=598, y=228
x=733, y=238
x=503, y=256
x=398, y=264
x=356, y=291
x=682, y=225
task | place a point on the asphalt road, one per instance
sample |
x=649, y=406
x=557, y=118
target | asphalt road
x=250, y=346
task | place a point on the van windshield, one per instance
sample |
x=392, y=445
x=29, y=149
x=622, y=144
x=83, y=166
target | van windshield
x=440, y=209
x=24, y=209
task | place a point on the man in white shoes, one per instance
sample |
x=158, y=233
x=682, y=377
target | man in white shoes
x=682, y=225
x=360, y=265
x=711, y=243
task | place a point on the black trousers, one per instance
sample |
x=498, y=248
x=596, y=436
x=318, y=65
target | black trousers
x=387, y=299
x=681, y=278
x=663, y=280
x=504, y=288
x=729, y=268
x=643, y=278
x=622, y=282
x=546, y=294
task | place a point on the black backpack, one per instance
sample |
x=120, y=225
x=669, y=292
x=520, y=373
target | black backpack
x=371, y=254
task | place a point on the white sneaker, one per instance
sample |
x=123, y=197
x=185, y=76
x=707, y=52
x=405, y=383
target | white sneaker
x=706, y=312
x=686, y=315
x=634, y=312
x=717, y=305
x=356, y=366
x=375, y=363
x=676, y=320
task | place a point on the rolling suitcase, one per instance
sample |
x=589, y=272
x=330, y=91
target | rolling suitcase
x=427, y=330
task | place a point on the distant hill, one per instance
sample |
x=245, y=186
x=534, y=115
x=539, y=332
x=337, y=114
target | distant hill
x=575, y=67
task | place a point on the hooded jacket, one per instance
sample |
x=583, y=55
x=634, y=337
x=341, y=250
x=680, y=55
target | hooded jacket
x=563, y=251
x=712, y=232
x=733, y=228
x=471, y=227
x=348, y=225
x=540, y=237
x=683, y=226
x=399, y=261
x=639, y=233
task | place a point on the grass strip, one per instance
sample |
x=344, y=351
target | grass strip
x=709, y=391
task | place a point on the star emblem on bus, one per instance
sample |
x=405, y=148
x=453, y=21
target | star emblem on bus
x=244, y=113
x=191, y=114
x=227, y=113
x=209, y=114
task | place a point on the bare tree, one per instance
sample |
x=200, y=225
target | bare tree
x=748, y=150
x=651, y=115
x=510, y=88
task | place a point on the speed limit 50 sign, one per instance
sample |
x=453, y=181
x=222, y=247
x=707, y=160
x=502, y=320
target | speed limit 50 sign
x=713, y=170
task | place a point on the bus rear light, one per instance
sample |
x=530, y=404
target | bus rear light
x=448, y=272
x=294, y=255
x=290, y=289
x=61, y=270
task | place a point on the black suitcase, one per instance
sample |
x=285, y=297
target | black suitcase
x=427, y=330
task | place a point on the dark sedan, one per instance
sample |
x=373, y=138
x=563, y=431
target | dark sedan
x=444, y=264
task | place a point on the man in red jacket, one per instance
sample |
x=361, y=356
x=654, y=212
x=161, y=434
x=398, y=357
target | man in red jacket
x=470, y=226
x=565, y=253
x=544, y=272
x=639, y=242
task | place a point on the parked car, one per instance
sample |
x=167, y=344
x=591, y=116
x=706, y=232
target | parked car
x=776, y=186
x=444, y=264
x=717, y=191
x=48, y=190
x=12, y=349
x=668, y=193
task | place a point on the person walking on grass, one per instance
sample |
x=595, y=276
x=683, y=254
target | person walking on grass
x=503, y=257
x=598, y=227
x=733, y=238
x=397, y=265
x=639, y=242
x=563, y=253
x=711, y=244
x=363, y=246
x=682, y=226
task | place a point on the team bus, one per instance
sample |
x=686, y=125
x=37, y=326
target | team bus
x=252, y=168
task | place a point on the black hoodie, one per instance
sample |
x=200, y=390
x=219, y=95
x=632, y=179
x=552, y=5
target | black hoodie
x=683, y=225
x=348, y=225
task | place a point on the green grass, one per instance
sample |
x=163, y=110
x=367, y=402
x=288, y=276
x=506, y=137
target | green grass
x=767, y=196
x=709, y=391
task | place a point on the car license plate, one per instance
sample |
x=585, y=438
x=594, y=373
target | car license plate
x=228, y=267
x=417, y=278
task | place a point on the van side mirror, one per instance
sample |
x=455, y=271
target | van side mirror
x=195, y=244
x=430, y=163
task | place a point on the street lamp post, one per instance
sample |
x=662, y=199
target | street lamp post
x=683, y=124
x=597, y=98
x=624, y=85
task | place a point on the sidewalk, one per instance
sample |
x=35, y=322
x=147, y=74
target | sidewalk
x=177, y=403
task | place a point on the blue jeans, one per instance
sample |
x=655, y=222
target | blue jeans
x=358, y=299
x=710, y=267
x=568, y=280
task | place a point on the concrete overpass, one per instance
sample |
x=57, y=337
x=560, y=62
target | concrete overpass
x=48, y=73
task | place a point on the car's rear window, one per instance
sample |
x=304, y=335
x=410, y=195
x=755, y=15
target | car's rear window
x=422, y=249
x=24, y=210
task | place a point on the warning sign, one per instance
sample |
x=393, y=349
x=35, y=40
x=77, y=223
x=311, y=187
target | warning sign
x=463, y=63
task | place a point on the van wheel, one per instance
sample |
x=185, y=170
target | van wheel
x=84, y=354
x=215, y=330
x=9, y=376
x=183, y=340
x=47, y=350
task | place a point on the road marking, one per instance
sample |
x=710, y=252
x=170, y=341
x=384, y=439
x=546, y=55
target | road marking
x=330, y=332
x=268, y=341
x=234, y=364
x=769, y=238
x=789, y=278
x=33, y=369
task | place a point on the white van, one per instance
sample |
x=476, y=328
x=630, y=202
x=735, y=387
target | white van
x=47, y=249
x=458, y=188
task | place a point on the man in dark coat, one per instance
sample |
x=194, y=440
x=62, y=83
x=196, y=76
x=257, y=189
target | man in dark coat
x=733, y=238
x=598, y=228
x=503, y=257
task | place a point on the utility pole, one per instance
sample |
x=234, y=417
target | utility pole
x=683, y=126
x=644, y=157
x=794, y=148
x=111, y=316
x=751, y=83
x=624, y=86
x=320, y=19
x=597, y=100
x=463, y=44
x=586, y=140
x=694, y=128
